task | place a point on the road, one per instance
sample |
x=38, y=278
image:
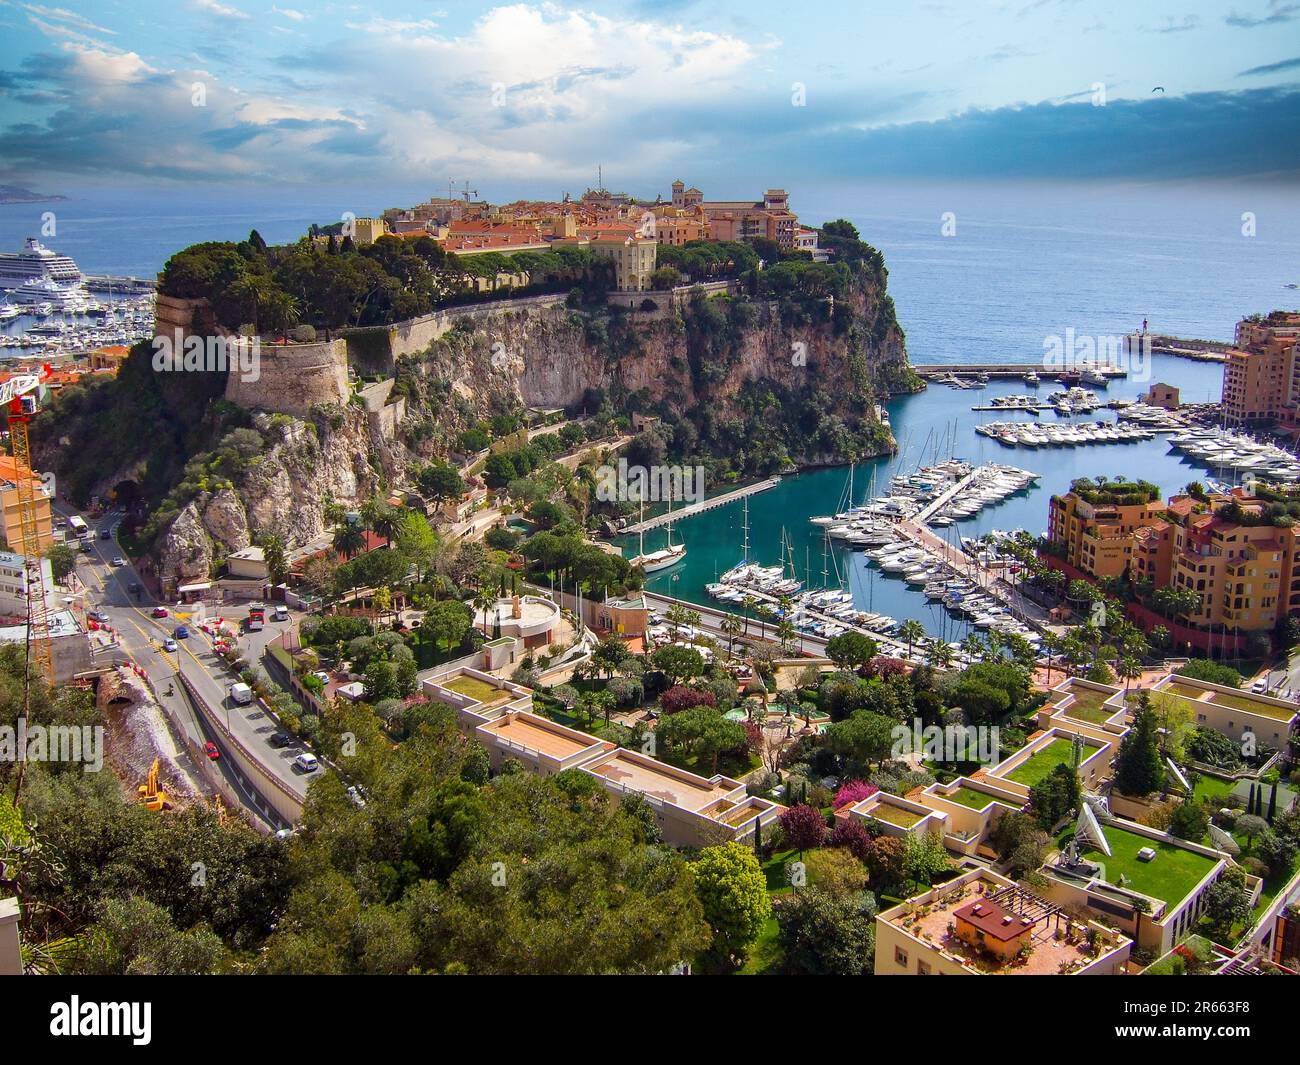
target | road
x=141, y=639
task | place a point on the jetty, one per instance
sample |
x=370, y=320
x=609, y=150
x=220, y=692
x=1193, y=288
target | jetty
x=702, y=506
x=1010, y=369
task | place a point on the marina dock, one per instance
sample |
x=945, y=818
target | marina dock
x=702, y=506
x=1005, y=369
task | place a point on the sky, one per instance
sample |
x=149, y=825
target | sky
x=133, y=93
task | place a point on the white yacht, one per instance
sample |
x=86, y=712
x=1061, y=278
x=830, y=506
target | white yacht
x=36, y=262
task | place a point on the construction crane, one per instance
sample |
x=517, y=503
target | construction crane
x=465, y=193
x=16, y=396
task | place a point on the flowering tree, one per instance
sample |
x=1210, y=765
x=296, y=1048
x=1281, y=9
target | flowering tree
x=679, y=698
x=804, y=827
x=852, y=791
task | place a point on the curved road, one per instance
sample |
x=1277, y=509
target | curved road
x=141, y=636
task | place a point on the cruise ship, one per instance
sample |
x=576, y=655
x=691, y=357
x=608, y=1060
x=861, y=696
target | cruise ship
x=37, y=263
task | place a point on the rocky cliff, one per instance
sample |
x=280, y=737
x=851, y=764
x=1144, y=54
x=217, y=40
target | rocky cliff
x=757, y=382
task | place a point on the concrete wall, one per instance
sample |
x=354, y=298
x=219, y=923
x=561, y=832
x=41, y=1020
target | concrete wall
x=294, y=378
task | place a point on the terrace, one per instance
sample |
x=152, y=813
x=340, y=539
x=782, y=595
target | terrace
x=551, y=745
x=1042, y=762
x=1202, y=693
x=629, y=771
x=969, y=797
x=1172, y=875
x=994, y=927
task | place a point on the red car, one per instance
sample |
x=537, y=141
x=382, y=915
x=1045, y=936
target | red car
x=211, y=750
x=160, y=611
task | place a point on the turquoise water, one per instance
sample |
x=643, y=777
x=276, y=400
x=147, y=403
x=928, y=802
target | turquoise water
x=931, y=425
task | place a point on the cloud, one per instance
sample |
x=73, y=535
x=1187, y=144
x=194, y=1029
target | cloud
x=289, y=13
x=220, y=10
x=1278, y=12
x=1271, y=68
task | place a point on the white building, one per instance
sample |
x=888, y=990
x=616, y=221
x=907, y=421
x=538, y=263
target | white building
x=13, y=583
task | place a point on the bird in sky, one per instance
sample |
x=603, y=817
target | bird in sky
x=1158, y=88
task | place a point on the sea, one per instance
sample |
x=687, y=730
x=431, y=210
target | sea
x=979, y=273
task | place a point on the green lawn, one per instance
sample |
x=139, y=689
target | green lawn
x=473, y=688
x=894, y=815
x=1043, y=762
x=774, y=870
x=1212, y=789
x=1170, y=876
x=765, y=955
x=976, y=800
x=1094, y=715
x=1252, y=706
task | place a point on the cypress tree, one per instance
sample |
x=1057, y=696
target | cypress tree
x=1137, y=766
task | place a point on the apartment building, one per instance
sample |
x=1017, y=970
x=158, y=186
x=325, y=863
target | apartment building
x=984, y=924
x=1261, y=374
x=634, y=258
x=1095, y=527
x=690, y=810
x=12, y=474
x=14, y=579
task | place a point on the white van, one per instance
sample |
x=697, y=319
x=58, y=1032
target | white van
x=307, y=762
x=241, y=694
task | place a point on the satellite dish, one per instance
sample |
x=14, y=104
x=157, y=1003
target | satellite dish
x=1090, y=829
x=1223, y=840
x=1178, y=774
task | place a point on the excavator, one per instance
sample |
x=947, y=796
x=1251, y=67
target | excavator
x=151, y=795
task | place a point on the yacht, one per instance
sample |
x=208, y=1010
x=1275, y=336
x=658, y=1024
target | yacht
x=1031, y=378
x=654, y=561
x=57, y=295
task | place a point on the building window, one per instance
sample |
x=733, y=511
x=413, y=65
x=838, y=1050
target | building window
x=922, y=968
x=900, y=956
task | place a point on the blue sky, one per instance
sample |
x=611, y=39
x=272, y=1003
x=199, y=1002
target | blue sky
x=138, y=92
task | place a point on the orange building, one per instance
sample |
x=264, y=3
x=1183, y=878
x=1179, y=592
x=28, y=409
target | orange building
x=1097, y=532
x=1261, y=374
x=12, y=473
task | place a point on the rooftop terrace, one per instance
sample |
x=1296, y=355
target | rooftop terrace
x=1170, y=876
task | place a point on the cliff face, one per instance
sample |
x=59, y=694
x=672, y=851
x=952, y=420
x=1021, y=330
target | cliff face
x=729, y=366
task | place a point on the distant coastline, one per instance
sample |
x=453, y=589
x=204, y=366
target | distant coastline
x=15, y=194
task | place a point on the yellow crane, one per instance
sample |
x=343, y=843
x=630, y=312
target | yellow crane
x=16, y=395
x=151, y=795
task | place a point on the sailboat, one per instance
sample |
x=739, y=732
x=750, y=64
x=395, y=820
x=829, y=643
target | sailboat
x=657, y=560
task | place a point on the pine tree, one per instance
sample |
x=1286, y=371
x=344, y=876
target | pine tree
x=1137, y=766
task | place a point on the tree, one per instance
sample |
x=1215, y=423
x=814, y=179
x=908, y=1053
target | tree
x=731, y=888
x=910, y=632
x=1190, y=821
x=836, y=871
x=822, y=935
x=447, y=623
x=441, y=481
x=1056, y=795
x=136, y=937
x=349, y=538
x=610, y=654
x=277, y=568
x=679, y=698
x=804, y=827
x=851, y=650
x=1250, y=826
x=63, y=560
x=1019, y=842
x=1138, y=770
x=678, y=663
x=1227, y=903
x=864, y=737
x=1212, y=672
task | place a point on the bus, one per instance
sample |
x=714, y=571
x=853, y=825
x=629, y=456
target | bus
x=77, y=527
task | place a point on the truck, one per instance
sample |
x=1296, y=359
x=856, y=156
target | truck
x=256, y=619
x=241, y=694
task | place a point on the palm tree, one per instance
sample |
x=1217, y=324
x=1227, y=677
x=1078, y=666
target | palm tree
x=1129, y=668
x=911, y=632
x=1052, y=644
x=972, y=646
x=349, y=539
x=730, y=626
x=939, y=654
x=765, y=615
x=749, y=602
x=484, y=600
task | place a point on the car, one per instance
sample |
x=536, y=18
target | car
x=281, y=613
x=160, y=611
x=106, y=534
x=134, y=588
x=281, y=740
x=181, y=632
x=284, y=833
x=170, y=645
x=210, y=749
x=98, y=616
x=358, y=800
x=306, y=763
x=118, y=562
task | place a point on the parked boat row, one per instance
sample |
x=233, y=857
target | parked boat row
x=1225, y=449
x=1031, y=434
x=987, y=486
